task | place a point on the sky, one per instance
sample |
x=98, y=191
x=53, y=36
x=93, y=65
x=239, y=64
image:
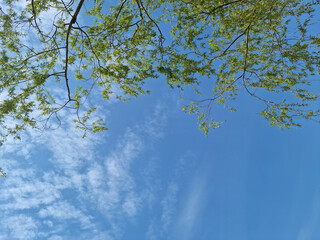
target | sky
x=153, y=175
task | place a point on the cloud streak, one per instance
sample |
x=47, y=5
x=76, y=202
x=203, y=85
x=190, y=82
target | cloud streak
x=77, y=184
x=311, y=227
x=192, y=206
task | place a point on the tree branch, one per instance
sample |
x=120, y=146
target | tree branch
x=73, y=20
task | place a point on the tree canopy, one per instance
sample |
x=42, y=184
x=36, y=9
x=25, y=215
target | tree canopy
x=268, y=49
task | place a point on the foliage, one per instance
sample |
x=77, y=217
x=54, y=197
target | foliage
x=268, y=49
x=2, y=173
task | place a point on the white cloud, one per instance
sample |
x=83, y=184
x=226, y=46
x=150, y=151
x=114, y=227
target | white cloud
x=24, y=190
x=159, y=228
x=95, y=175
x=65, y=211
x=55, y=237
x=169, y=206
x=29, y=189
x=105, y=184
x=312, y=225
x=155, y=124
x=192, y=206
x=19, y=227
x=131, y=204
x=111, y=184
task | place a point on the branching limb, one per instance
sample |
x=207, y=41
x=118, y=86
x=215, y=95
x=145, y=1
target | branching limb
x=73, y=20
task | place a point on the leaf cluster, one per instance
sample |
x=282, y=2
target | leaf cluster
x=267, y=49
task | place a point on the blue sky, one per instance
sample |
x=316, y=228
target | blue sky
x=153, y=175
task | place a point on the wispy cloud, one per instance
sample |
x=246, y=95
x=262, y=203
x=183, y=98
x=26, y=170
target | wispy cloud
x=24, y=190
x=75, y=183
x=169, y=222
x=63, y=210
x=192, y=206
x=311, y=227
x=111, y=183
x=155, y=123
x=169, y=206
x=19, y=226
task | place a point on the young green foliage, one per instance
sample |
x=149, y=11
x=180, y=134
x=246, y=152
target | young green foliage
x=2, y=173
x=266, y=49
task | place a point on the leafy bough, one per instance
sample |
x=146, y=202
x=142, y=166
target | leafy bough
x=267, y=49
